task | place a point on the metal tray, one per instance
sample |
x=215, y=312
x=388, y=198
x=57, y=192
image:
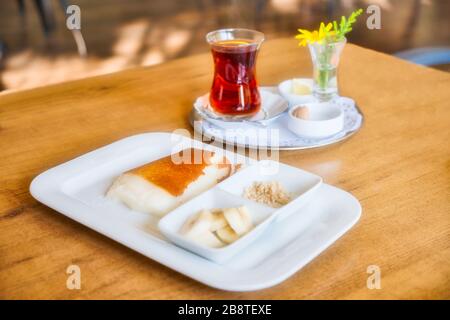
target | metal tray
x=203, y=121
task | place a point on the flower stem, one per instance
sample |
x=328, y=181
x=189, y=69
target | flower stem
x=323, y=78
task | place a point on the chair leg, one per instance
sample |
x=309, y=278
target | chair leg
x=46, y=15
x=21, y=5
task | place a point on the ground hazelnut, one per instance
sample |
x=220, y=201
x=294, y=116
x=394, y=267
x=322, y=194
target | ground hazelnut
x=301, y=112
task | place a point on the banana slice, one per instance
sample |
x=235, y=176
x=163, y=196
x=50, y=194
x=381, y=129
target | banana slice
x=198, y=229
x=217, y=227
x=227, y=234
x=246, y=217
x=207, y=239
x=239, y=219
x=300, y=87
x=197, y=224
x=218, y=220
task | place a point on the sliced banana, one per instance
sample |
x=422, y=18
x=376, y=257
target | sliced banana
x=239, y=219
x=218, y=220
x=227, y=235
x=217, y=227
x=246, y=217
x=300, y=87
x=197, y=224
x=207, y=239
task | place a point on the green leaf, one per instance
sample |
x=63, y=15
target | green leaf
x=342, y=25
x=345, y=25
x=336, y=30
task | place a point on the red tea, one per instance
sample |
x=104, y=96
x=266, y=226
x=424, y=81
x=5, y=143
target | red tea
x=234, y=90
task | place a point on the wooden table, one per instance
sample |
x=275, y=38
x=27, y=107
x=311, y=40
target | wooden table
x=398, y=166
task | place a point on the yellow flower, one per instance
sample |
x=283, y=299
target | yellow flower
x=325, y=30
x=306, y=36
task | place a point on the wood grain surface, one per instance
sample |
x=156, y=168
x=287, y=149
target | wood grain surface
x=398, y=166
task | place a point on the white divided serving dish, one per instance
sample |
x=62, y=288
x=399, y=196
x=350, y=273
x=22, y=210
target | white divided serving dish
x=77, y=188
x=229, y=194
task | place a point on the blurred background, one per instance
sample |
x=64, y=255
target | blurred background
x=37, y=49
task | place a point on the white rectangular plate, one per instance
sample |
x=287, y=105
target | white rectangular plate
x=76, y=189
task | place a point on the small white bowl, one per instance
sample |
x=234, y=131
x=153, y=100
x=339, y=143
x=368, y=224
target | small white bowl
x=285, y=89
x=325, y=119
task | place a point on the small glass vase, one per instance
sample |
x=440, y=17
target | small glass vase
x=325, y=57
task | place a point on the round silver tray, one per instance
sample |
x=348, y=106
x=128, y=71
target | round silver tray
x=199, y=118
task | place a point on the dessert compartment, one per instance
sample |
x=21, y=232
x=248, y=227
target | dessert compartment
x=215, y=198
x=298, y=183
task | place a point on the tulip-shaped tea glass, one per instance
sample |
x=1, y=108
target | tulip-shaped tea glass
x=234, y=91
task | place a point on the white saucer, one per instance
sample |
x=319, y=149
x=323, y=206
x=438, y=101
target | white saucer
x=77, y=188
x=272, y=106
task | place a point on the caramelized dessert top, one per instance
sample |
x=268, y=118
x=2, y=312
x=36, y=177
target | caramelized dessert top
x=175, y=172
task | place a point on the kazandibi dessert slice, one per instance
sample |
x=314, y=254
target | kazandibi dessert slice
x=160, y=186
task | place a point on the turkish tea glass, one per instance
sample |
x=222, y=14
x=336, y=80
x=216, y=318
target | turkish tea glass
x=234, y=91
